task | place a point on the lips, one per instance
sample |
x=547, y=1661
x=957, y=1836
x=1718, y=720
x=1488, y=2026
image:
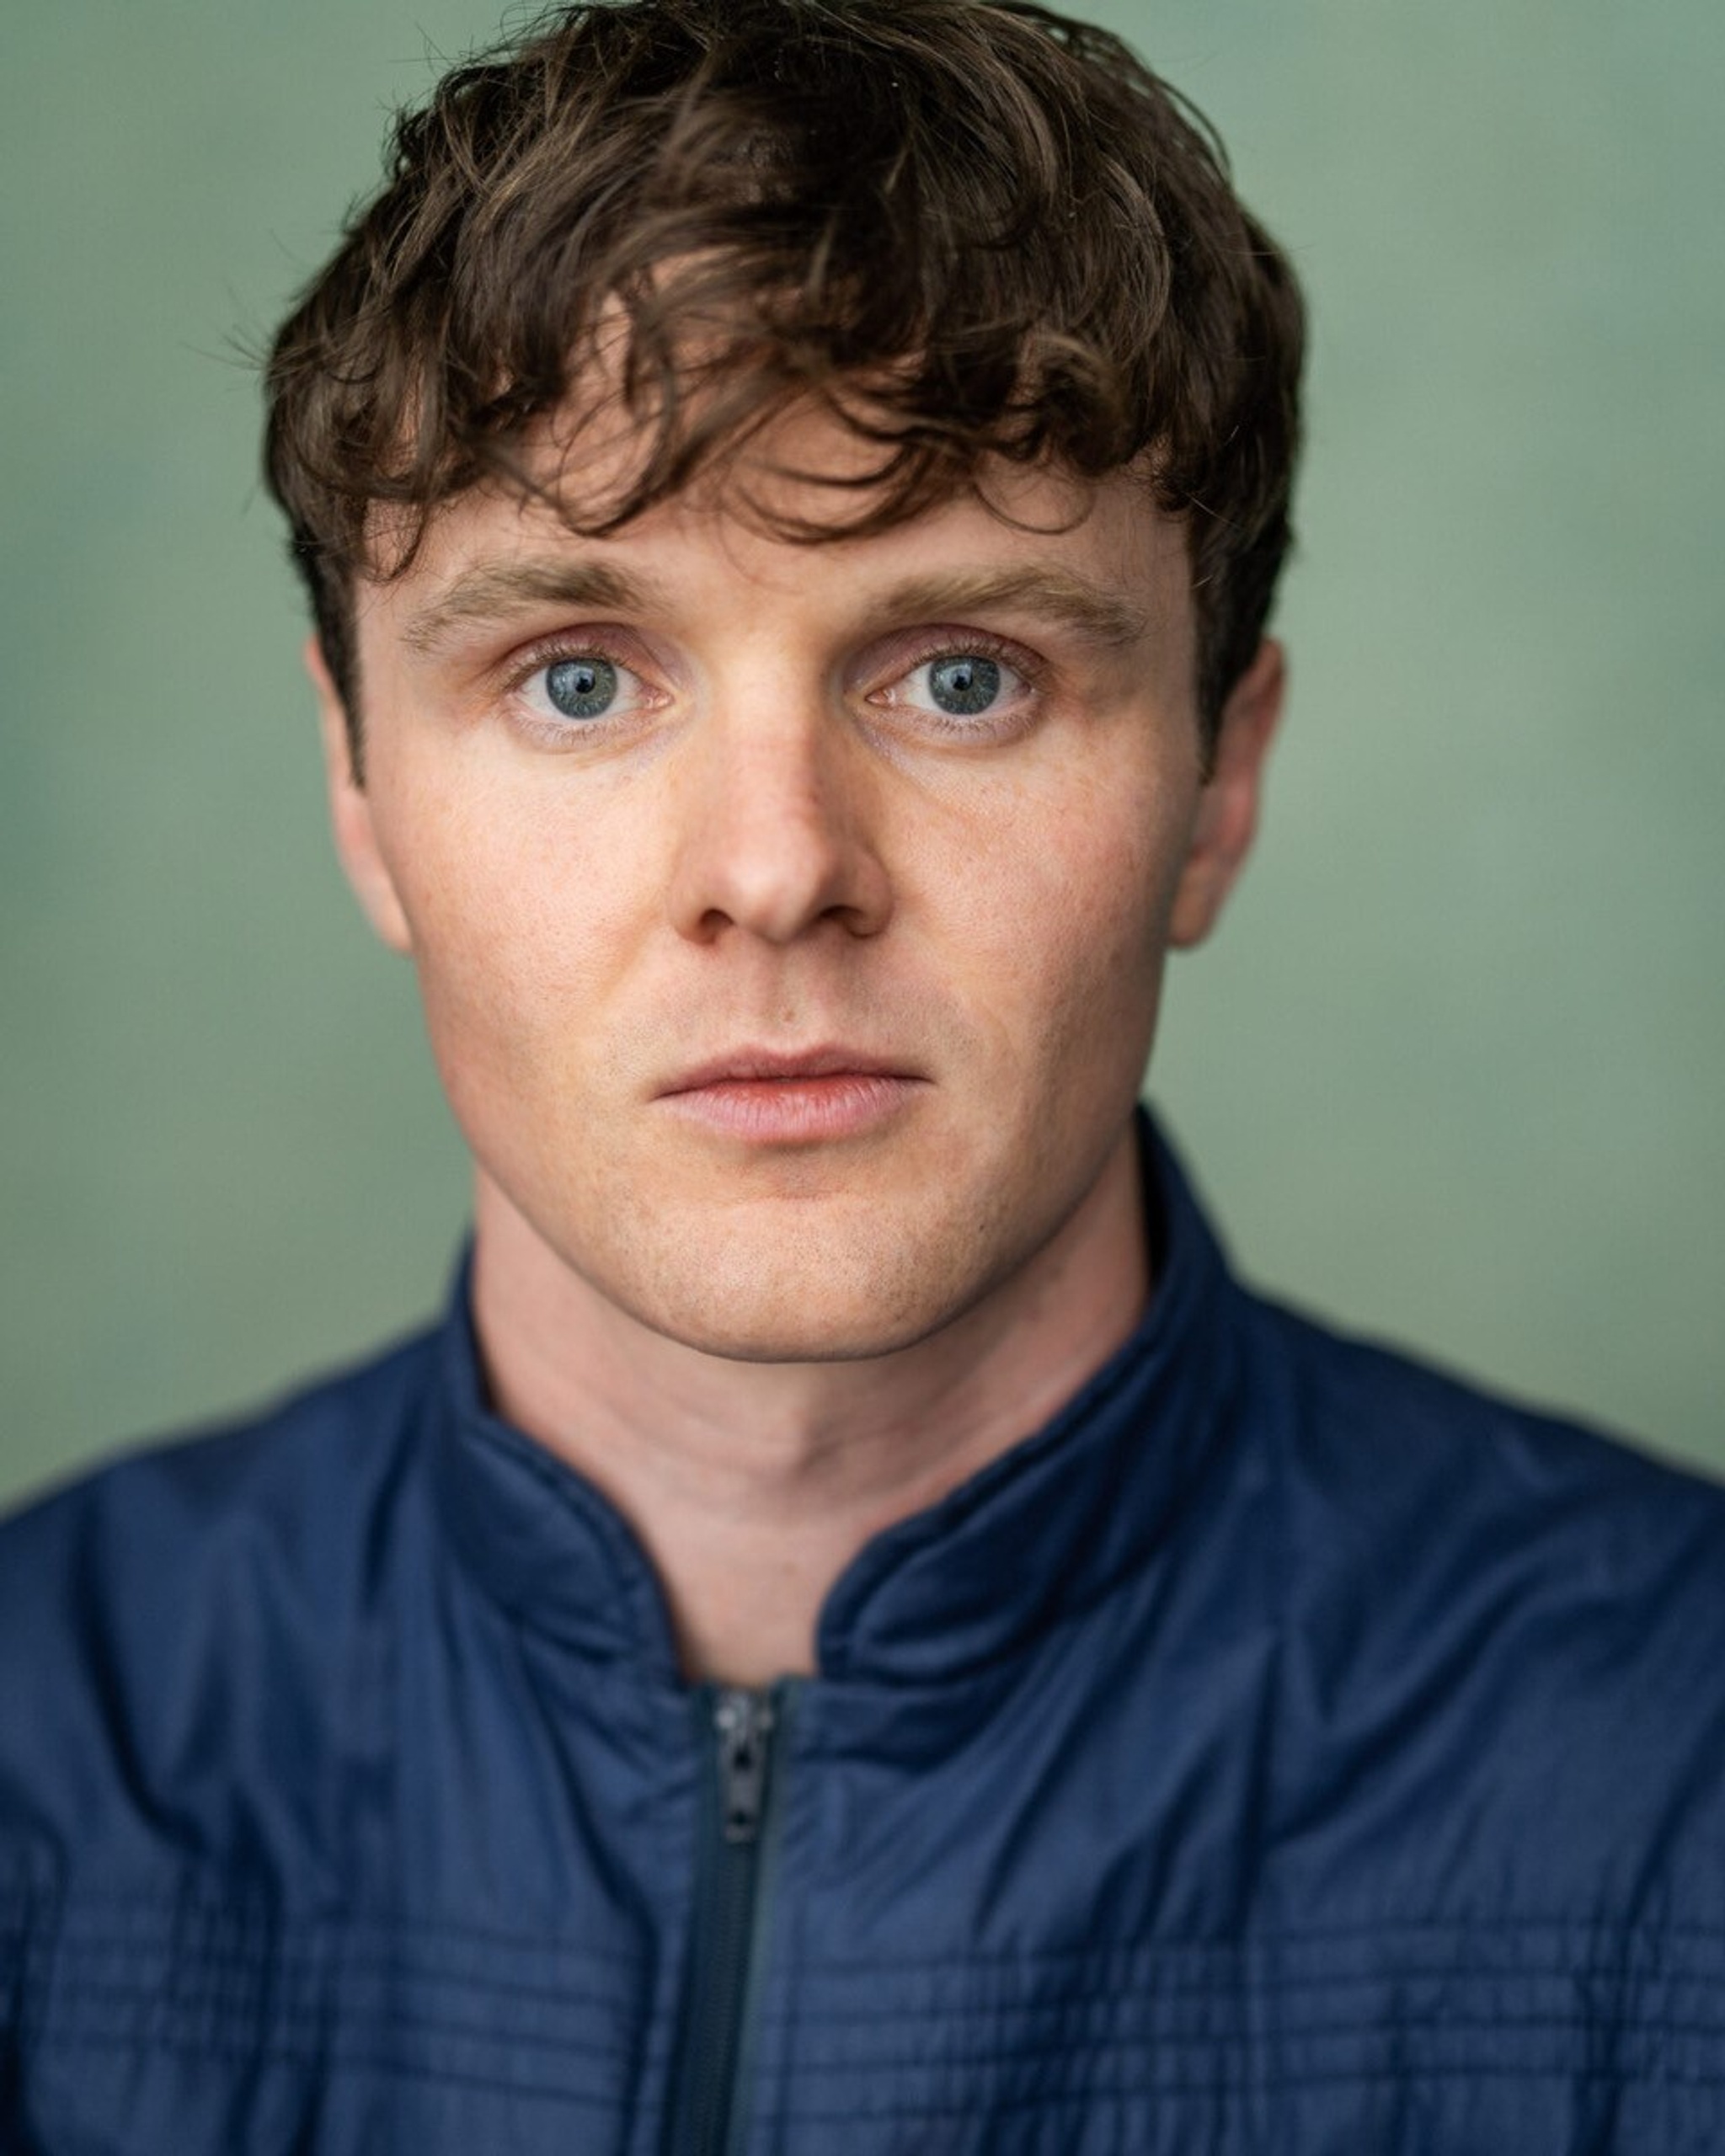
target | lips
x=767, y=1096
x=770, y=1067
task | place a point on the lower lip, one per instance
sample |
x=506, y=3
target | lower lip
x=796, y=1111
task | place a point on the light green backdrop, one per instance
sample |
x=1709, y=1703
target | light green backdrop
x=1451, y=1071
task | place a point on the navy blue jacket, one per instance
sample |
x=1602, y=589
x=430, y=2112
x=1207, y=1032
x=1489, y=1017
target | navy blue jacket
x=1286, y=1751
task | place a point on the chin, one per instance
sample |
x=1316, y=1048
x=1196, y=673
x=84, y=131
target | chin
x=830, y=1306
x=777, y=1338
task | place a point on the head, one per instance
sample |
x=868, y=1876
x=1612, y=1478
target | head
x=791, y=494
x=975, y=231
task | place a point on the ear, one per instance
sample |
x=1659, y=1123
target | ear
x=351, y=817
x=1226, y=814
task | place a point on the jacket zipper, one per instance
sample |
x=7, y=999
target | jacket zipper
x=742, y=1731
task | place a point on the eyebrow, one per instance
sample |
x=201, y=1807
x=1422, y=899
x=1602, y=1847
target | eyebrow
x=1059, y=595
x=495, y=590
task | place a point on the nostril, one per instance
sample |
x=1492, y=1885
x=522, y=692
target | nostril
x=790, y=893
x=778, y=832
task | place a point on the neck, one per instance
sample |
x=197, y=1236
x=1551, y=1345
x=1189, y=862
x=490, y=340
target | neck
x=752, y=1485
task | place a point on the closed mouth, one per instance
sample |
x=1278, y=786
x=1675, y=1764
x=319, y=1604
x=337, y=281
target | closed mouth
x=766, y=1066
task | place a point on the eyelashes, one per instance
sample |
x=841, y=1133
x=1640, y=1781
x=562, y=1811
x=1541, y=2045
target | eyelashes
x=572, y=688
x=591, y=684
x=965, y=682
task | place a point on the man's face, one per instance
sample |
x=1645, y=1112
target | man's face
x=791, y=918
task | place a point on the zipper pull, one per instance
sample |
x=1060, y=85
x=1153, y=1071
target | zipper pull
x=743, y=1722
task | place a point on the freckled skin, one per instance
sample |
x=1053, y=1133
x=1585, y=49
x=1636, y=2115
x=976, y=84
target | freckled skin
x=779, y=854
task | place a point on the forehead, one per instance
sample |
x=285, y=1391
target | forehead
x=773, y=522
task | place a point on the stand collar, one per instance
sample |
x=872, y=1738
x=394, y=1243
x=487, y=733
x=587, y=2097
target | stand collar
x=1037, y=1536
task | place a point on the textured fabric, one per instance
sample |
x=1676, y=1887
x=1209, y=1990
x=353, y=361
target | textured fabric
x=1287, y=1750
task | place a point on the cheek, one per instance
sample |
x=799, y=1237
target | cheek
x=519, y=924
x=1073, y=911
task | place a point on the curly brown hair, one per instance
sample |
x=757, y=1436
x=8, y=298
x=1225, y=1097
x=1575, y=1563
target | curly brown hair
x=971, y=229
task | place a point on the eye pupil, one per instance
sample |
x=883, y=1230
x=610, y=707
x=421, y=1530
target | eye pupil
x=581, y=688
x=964, y=685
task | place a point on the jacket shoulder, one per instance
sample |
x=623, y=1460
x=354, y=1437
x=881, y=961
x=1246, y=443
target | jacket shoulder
x=250, y=1473
x=164, y=1586
x=1527, y=1616
x=1404, y=1449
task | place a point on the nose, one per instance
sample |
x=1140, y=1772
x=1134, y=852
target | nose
x=777, y=829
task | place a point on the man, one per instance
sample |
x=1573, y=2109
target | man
x=855, y=1633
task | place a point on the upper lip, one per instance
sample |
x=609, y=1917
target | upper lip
x=765, y=1063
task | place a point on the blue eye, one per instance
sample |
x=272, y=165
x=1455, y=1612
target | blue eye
x=581, y=688
x=978, y=691
x=964, y=685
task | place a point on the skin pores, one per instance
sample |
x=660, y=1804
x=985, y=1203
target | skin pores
x=791, y=918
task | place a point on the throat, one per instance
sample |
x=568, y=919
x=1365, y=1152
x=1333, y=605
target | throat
x=752, y=1484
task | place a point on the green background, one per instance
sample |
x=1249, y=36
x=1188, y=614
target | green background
x=1451, y=1071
